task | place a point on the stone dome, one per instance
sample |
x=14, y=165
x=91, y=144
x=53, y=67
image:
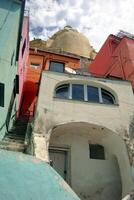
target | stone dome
x=71, y=41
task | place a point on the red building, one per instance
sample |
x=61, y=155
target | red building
x=116, y=58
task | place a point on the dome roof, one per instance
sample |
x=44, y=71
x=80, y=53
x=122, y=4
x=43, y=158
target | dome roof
x=38, y=43
x=70, y=40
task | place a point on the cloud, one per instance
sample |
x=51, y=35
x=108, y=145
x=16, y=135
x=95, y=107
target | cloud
x=96, y=19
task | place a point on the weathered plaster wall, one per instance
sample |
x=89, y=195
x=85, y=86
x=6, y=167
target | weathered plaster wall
x=115, y=117
x=52, y=112
x=91, y=178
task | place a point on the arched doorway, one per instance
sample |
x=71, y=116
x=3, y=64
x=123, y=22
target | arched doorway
x=84, y=155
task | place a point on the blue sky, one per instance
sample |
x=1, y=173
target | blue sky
x=95, y=18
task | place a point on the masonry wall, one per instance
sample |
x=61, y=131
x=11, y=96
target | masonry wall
x=115, y=117
x=53, y=113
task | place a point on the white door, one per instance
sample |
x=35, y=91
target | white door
x=58, y=159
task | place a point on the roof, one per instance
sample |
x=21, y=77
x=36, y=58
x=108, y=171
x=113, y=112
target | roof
x=66, y=40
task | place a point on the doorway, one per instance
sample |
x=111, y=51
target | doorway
x=59, y=161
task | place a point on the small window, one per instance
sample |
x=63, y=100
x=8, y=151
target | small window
x=77, y=92
x=12, y=58
x=35, y=65
x=92, y=94
x=63, y=91
x=107, y=97
x=16, y=85
x=56, y=66
x=23, y=47
x=2, y=91
x=96, y=152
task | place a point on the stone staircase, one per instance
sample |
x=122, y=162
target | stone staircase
x=15, y=138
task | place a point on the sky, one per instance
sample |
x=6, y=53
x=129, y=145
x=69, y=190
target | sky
x=96, y=19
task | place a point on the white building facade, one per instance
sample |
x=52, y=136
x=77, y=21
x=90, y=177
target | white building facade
x=79, y=126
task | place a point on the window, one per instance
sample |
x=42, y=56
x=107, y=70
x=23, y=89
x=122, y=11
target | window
x=2, y=91
x=92, y=94
x=96, y=152
x=16, y=85
x=23, y=47
x=56, y=66
x=63, y=91
x=85, y=93
x=107, y=97
x=35, y=65
x=12, y=58
x=77, y=92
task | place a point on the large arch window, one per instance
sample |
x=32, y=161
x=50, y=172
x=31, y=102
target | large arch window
x=62, y=91
x=84, y=93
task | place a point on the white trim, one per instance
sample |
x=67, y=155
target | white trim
x=85, y=87
x=70, y=90
x=100, y=95
x=85, y=93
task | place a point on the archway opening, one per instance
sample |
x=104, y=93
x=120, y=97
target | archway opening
x=83, y=154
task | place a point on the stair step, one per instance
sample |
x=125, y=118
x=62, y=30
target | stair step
x=13, y=140
x=11, y=143
x=19, y=134
x=12, y=148
x=17, y=129
x=14, y=137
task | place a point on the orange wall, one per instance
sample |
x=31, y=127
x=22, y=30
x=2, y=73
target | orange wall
x=32, y=76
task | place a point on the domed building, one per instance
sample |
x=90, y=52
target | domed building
x=67, y=40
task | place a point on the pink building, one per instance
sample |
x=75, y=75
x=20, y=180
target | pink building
x=23, y=59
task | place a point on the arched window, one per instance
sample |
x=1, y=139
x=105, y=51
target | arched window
x=84, y=92
x=62, y=91
x=107, y=97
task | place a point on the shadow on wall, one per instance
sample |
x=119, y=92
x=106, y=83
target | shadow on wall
x=28, y=98
x=91, y=177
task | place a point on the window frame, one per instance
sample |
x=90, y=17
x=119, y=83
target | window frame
x=2, y=96
x=94, y=152
x=100, y=101
x=55, y=61
x=109, y=94
x=34, y=65
x=83, y=96
x=62, y=86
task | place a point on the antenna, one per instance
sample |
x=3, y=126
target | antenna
x=122, y=34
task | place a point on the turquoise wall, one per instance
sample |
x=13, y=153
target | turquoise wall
x=10, y=24
x=24, y=177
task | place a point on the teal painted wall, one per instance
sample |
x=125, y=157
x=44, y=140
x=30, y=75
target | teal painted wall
x=10, y=18
x=24, y=177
